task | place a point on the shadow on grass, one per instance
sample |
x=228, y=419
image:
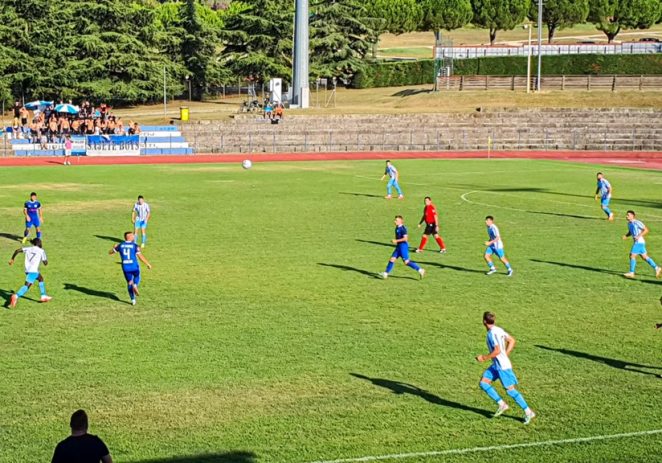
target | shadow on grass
x=6, y=295
x=11, y=236
x=113, y=239
x=227, y=457
x=410, y=92
x=377, y=243
x=91, y=292
x=614, y=363
x=571, y=216
x=367, y=273
x=367, y=195
x=594, y=269
x=451, y=267
x=400, y=388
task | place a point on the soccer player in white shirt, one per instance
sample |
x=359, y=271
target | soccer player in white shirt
x=500, y=345
x=34, y=256
x=140, y=216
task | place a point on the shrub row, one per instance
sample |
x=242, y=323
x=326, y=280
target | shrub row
x=394, y=74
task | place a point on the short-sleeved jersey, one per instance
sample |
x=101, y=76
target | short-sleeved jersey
x=429, y=212
x=400, y=232
x=128, y=251
x=391, y=171
x=634, y=228
x=603, y=187
x=493, y=233
x=34, y=256
x=497, y=337
x=142, y=211
x=33, y=208
x=80, y=449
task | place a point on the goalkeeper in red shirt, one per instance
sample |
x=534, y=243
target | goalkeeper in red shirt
x=431, y=220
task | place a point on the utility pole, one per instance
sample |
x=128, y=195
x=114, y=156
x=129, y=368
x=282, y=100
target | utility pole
x=538, y=86
x=165, y=95
x=300, y=85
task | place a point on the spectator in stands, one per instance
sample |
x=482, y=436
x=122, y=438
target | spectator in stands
x=268, y=110
x=81, y=447
x=280, y=110
x=134, y=128
x=17, y=113
x=25, y=114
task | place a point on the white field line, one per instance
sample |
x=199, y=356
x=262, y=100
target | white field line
x=493, y=448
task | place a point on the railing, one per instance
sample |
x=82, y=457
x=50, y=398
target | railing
x=585, y=82
x=628, y=48
x=603, y=137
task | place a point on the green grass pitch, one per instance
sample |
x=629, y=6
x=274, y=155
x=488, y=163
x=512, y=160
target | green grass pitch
x=262, y=336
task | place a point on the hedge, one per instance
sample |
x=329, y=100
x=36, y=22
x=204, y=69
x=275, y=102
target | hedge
x=394, y=74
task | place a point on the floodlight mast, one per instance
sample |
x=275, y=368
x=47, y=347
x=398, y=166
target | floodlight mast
x=300, y=85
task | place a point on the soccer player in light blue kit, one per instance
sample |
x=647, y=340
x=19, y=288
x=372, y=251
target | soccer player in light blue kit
x=401, y=242
x=34, y=257
x=130, y=254
x=140, y=216
x=495, y=246
x=603, y=192
x=637, y=230
x=500, y=345
x=33, y=216
x=393, y=178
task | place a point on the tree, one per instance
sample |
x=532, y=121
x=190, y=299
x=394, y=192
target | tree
x=498, y=15
x=444, y=14
x=610, y=16
x=558, y=14
x=339, y=38
x=394, y=16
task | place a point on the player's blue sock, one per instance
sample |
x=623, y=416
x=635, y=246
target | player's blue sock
x=42, y=288
x=633, y=265
x=38, y=234
x=651, y=262
x=21, y=292
x=389, y=266
x=144, y=238
x=508, y=266
x=413, y=265
x=397, y=188
x=490, y=391
x=607, y=211
x=518, y=397
x=491, y=265
x=131, y=295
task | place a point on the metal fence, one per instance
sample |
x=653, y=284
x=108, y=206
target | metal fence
x=604, y=137
x=628, y=48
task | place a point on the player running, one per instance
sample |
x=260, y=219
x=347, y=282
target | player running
x=401, y=249
x=637, y=230
x=33, y=216
x=140, y=216
x=130, y=253
x=500, y=345
x=431, y=220
x=603, y=192
x=394, y=177
x=34, y=256
x=495, y=246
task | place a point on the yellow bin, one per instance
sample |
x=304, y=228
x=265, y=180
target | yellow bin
x=184, y=114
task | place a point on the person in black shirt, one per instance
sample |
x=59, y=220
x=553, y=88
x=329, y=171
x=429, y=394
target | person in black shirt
x=81, y=447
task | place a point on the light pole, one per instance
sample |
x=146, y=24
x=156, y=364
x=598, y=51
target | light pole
x=300, y=85
x=188, y=80
x=539, y=44
x=528, y=60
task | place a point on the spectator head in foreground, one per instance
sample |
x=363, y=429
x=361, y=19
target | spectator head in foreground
x=81, y=447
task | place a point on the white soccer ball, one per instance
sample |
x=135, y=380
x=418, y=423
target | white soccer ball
x=246, y=164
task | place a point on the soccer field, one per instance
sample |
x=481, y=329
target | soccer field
x=262, y=335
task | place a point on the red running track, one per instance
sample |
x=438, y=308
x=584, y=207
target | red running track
x=643, y=160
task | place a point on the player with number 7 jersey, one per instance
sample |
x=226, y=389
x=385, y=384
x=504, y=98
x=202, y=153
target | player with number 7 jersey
x=130, y=254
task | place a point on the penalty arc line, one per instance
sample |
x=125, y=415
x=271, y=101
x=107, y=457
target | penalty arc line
x=437, y=453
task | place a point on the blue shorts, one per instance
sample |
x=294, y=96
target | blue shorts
x=507, y=377
x=638, y=248
x=605, y=201
x=492, y=250
x=132, y=275
x=401, y=251
x=31, y=277
x=141, y=224
x=34, y=222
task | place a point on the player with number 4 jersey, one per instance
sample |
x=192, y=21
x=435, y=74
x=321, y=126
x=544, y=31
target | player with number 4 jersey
x=130, y=254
